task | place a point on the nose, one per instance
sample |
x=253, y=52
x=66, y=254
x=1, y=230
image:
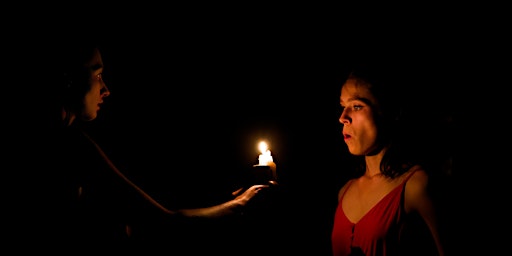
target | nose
x=344, y=118
x=105, y=92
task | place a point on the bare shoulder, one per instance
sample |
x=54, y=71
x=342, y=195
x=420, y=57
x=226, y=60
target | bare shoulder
x=342, y=189
x=418, y=178
x=416, y=188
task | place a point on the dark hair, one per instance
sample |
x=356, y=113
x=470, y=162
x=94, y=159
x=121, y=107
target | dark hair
x=391, y=86
x=73, y=57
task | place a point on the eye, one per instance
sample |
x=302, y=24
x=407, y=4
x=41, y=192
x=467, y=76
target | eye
x=99, y=76
x=357, y=107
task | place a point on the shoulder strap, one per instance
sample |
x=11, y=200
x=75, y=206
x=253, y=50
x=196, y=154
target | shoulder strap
x=345, y=191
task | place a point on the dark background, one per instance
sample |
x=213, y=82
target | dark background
x=189, y=105
x=187, y=111
x=193, y=92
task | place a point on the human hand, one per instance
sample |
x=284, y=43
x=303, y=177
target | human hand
x=250, y=191
x=273, y=168
x=248, y=194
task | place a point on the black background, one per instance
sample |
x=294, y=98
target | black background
x=189, y=105
x=193, y=92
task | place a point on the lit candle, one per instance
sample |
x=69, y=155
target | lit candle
x=264, y=158
x=265, y=171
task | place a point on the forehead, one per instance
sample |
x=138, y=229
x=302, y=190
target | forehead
x=353, y=89
x=95, y=62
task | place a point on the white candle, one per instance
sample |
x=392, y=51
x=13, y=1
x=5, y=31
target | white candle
x=264, y=158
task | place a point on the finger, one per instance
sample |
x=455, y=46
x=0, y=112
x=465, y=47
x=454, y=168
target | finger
x=237, y=191
x=260, y=186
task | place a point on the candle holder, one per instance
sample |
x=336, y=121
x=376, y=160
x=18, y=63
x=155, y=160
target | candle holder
x=261, y=207
x=261, y=175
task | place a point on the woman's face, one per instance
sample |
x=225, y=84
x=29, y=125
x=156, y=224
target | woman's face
x=97, y=88
x=359, y=125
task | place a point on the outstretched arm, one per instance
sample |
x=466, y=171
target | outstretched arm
x=233, y=206
x=230, y=207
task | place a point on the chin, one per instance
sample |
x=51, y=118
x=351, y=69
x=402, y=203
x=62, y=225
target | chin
x=90, y=118
x=355, y=153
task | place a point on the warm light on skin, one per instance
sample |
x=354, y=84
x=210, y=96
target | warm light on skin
x=359, y=127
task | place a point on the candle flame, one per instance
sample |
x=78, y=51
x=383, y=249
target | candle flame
x=263, y=147
x=265, y=158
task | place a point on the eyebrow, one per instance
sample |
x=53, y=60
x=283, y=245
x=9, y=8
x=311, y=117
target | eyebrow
x=96, y=66
x=365, y=100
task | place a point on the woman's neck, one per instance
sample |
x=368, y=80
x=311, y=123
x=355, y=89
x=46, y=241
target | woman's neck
x=373, y=163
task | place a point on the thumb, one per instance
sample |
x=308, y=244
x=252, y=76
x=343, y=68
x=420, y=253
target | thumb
x=237, y=192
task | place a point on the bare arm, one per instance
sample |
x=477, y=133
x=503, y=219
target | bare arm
x=418, y=199
x=230, y=207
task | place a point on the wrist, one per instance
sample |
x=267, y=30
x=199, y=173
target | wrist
x=236, y=206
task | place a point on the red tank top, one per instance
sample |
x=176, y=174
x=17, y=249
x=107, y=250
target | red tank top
x=376, y=233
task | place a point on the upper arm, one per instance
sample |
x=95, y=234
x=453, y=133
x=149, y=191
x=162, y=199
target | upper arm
x=416, y=193
x=417, y=198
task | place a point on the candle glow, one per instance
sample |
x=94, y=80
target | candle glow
x=264, y=158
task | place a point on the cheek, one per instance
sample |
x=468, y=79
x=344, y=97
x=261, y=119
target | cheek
x=367, y=130
x=94, y=91
x=370, y=125
x=96, y=86
x=92, y=96
x=371, y=134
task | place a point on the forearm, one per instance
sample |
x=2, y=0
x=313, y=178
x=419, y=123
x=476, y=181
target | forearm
x=231, y=207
